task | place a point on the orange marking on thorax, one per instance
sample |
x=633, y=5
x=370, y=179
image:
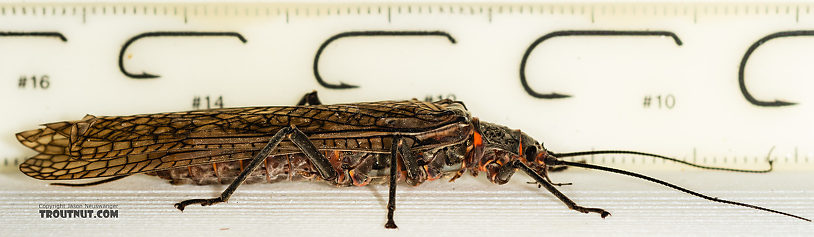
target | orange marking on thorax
x=478, y=139
x=520, y=149
x=240, y=162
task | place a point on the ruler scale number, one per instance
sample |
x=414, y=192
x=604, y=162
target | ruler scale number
x=34, y=82
x=561, y=57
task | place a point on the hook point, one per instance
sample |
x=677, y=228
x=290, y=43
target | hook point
x=342, y=85
x=783, y=103
x=145, y=75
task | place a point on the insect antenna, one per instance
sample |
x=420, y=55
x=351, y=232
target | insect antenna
x=555, y=161
x=111, y=179
x=584, y=153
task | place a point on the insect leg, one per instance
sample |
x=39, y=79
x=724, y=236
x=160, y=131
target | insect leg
x=414, y=171
x=322, y=164
x=540, y=180
x=557, y=168
x=310, y=98
x=259, y=158
x=505, y=172
x=391, y=201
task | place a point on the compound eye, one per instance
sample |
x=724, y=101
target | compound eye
x=530, y=153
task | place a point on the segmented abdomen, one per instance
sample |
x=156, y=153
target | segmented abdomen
x=353, y=169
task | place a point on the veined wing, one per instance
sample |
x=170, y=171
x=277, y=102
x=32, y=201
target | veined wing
x=116, y=145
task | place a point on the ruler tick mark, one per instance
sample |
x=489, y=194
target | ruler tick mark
x=795, y=154
x=593, y=18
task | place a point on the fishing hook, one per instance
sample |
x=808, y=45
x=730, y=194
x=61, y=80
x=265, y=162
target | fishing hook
x=742, y=67
x=33, y=34
x=325, y=44
x=540, y=40
x=145, y=75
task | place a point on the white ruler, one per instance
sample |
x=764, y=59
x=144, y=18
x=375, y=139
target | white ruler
x=697, y=82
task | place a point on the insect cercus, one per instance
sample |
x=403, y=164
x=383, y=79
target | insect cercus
x=343, y=144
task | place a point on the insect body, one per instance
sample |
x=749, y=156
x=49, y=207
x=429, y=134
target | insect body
x=346, y=144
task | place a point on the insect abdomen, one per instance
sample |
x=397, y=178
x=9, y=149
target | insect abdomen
x=353, y=169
